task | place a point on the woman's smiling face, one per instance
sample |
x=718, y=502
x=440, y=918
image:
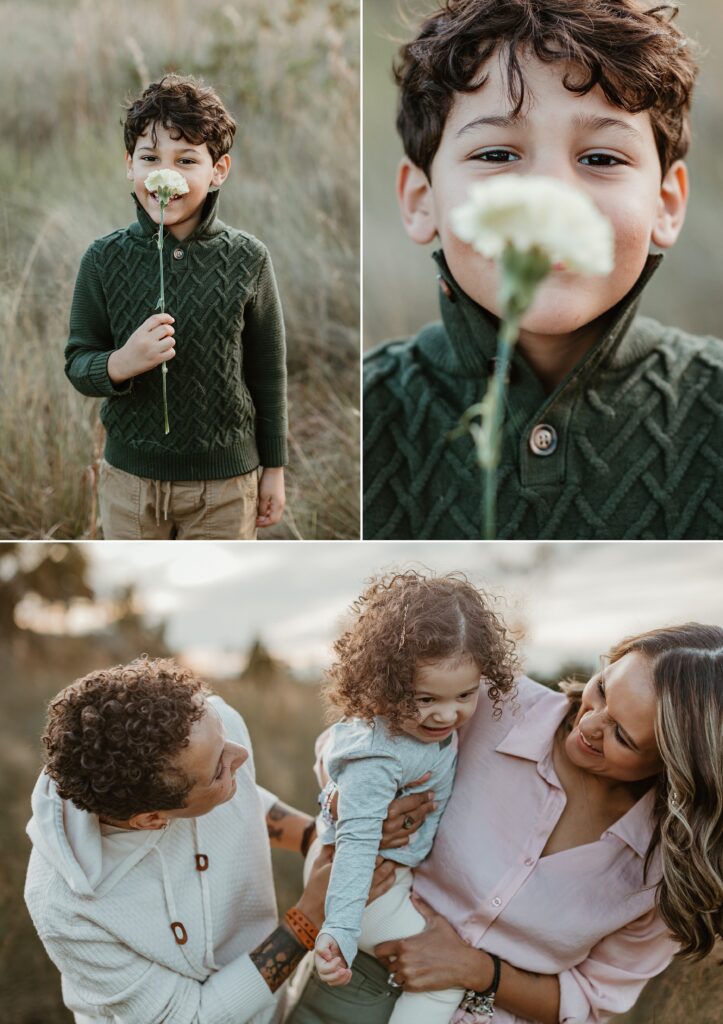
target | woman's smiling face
x=613, y=735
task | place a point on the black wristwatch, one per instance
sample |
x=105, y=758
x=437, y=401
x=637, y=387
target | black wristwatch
x=484, y=1002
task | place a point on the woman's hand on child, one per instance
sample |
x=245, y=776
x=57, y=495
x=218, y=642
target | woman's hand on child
x=153, y=343
x=330, y=964
x=436, y=958
x=406, y=814
x=272, y=497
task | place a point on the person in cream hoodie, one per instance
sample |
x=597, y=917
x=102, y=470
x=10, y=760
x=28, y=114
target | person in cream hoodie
x=150, y=880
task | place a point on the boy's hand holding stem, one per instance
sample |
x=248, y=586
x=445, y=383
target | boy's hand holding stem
x=152, y=343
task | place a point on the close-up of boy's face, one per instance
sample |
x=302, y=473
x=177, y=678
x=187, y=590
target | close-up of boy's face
x=194, y=162
x=584, y=142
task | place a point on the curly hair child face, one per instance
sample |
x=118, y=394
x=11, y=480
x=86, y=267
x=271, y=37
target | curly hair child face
x=446, y=694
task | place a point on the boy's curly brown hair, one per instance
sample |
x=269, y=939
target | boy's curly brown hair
x=640, y=60
x=187, y=108
x=404, y=620
x=112, y=737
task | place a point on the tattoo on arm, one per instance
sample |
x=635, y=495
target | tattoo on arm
x=277, y=813
x=277, y=957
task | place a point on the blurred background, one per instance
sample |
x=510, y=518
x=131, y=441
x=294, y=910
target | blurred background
x=289, y=72
x=400, y=291
x=257, y=622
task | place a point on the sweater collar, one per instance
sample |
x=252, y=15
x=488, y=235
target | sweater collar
x=472, y=331
x=208, y=226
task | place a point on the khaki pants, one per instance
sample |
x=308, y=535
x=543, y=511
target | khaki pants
x=135, y=508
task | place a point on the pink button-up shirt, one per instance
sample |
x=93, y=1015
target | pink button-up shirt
x=585, y=914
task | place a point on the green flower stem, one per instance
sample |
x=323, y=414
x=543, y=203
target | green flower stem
x=520, y=276
x=495, y=403
x=162, y=307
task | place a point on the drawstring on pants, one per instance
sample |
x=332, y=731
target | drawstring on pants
x=163, y=488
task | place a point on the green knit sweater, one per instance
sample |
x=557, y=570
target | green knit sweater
x=629, y=445
x=227, y=381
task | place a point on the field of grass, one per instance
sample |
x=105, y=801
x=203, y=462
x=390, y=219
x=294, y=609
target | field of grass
x=288, y=70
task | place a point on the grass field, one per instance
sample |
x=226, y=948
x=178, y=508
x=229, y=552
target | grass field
x=288, y=70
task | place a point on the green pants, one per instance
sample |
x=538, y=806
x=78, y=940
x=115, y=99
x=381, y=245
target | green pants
x=367, y=999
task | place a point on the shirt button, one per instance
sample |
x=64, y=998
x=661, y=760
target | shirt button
x=543, y=439
x=529, y=861
x=496, y=901
x=178, y=254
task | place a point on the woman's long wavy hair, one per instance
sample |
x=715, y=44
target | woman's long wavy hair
x=407, y=619
x=687, y=668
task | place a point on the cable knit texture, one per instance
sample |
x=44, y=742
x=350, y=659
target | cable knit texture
x=639, y=425
x=227, y=381
x=105, y=920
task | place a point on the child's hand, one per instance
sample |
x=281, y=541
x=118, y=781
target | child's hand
x=151, y=344
x=272, y=497
x=330, y=964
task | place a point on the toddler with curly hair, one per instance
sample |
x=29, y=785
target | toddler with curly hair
x=406, y=678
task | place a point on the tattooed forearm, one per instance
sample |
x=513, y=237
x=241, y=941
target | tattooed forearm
x=278, y=957
x=288, y=828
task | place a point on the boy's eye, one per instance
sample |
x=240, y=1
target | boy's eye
x=601, y=160
x=496, y=156
x=425, y=700
x=186, y=160
x=467, y=695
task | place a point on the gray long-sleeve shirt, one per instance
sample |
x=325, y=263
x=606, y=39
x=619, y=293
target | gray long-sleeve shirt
x=371, y=766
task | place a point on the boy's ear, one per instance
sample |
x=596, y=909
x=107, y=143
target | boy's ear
x=672, y=203
x=414, y=193
x=221, y=169
x=129, y=167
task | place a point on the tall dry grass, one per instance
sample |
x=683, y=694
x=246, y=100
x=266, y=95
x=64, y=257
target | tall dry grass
x=288, y=70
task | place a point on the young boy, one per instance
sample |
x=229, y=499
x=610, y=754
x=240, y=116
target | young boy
x=614, y=423
x=222, y=335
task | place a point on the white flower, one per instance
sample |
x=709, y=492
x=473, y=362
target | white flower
x=536, y=213
x=166, y=184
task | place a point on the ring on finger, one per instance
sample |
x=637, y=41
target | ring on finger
x=408, y=822
x=392, y=981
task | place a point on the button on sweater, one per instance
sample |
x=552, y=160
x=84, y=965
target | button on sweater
x=628, y=446
x=227, y=381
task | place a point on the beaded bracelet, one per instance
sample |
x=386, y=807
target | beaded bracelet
x=301, y=927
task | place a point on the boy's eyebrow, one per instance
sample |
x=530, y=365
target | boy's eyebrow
x=186, y=149
x=584, y=121
x=597, y=123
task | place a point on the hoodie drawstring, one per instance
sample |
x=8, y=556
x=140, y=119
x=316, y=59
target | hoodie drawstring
x=180, y=932
x=202, y=867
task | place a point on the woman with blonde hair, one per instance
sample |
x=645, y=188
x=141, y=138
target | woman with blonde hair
x=581, y=849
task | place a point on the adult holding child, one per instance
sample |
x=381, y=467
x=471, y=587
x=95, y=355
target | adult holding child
x=150, y=878
x=580, y=849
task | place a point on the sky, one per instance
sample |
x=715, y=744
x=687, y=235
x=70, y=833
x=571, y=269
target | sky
x=571, y=600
